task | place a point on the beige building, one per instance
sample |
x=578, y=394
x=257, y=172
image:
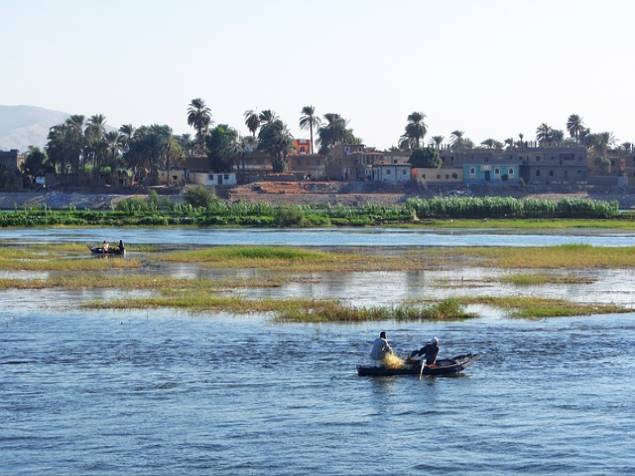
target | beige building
x=441, y=176
x=309, y=166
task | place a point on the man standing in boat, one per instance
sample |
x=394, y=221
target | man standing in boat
x=430, y=351
x=381, y=347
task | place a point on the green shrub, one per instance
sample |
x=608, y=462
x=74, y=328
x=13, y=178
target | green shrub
x=200, y=197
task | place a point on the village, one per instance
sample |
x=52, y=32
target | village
x=84, y=156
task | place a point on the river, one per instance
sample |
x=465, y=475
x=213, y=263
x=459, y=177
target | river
x=165, y=392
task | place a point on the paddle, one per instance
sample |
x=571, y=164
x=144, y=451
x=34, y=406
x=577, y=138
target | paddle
x=421, y=371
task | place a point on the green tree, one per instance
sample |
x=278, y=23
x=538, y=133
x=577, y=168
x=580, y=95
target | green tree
x=267, y=117
x=415, y=130
x=575, y=126
x=36, y=163
x=222, y=147
x=275, y=139
x=252, y=121
x=309, y=120
x=492, y=144
x=199, y=116
x=437, y=140
x=459, y=141
x=425, y=158
x=333, y=131
x=150, y=148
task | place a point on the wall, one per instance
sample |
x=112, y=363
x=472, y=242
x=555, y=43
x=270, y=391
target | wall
x=495, y=174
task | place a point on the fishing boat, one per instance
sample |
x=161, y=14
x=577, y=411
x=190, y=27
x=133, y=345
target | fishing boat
x=451, y=366
x=119, y=251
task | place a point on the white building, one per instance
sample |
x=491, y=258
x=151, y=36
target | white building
x=391, y=173
x=211, y=179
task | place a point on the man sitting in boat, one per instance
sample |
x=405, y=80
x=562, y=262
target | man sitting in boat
x=105, y=245
x=121, y=247
x=380, y=348
x=430, y=351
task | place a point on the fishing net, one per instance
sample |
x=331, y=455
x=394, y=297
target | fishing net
x=392, y=361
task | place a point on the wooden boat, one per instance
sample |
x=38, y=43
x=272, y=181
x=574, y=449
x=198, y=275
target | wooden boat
x=451, y=366
x=109, y=252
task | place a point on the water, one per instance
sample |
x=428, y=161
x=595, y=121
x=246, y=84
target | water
x=127, y=393
x=165, y=392
x=316, y=237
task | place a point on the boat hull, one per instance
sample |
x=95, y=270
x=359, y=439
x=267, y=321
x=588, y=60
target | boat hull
x=451, y=366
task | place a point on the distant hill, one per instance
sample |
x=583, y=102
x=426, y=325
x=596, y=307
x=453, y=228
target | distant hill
x=22, y=126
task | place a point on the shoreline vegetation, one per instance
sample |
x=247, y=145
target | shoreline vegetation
x=441, y=212
x=67, y=267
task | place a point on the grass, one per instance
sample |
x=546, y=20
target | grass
x=291, y=310
x=527, y=224
x=529, y=307
x=540, y=279
x=293, y=259
x=67, y=264
x=138, y=282
x=575, y=256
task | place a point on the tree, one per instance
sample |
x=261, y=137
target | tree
x=575, y=126
x=65, y=145
x=334, y=131
x=437, y=140
x=199, y=116
x=267, y=117
x=543, y=133
x=415, y=129
x=459, y=141
x=36, y=163
x=150, y=148
x=627, y=146
x=95, y=147
x=492, y=144
x=426, y=158
x=309, y=120
x=126, y=132
x=252, y=121
x=222, y=147
x=275, y=139
x=521, y=137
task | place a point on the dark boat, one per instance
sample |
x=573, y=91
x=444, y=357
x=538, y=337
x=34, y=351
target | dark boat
x=119, y=251
x=451, y=366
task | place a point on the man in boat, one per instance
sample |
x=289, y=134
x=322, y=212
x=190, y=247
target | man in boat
x=121, y=247
x=105, y=245
x=429, y=351
x=381, y=347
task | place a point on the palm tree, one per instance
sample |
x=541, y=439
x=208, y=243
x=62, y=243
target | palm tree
x=543, y=133
x=521, y=136
x=267, y=117
x=457, y=138
x=199, y=116
x=575, y=126
x=492, y=144
x=509, y=142
x=334, y=131
x=437, y=140
x=627, y=146
x=308, y=120
x=252, y=121
x=416, y=129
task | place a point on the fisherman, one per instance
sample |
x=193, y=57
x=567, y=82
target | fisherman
x=105, y=245
x=121, y=247
x=381, y=347
x=430, y=351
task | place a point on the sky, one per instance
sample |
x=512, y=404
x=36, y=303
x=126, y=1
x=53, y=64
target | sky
x=493, y=68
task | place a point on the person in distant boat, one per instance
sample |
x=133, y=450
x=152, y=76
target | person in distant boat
x=381, y=347
x=429, y=351
x=105, y=246
x=121, y=247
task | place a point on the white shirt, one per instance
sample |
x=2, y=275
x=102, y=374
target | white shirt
x=380, y=348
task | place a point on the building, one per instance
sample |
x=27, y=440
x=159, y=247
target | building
x=301, y=146
x=388, y=171
x=443, y=176
x=9, y=160
x=213, y=179
x=554, y=165
x=354, y=162
x=307, y=166
x=496, y=172
x=177, y=177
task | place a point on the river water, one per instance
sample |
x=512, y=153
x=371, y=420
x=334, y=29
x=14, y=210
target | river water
x=165, y=392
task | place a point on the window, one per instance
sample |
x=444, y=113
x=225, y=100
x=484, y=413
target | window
x=579, y=172
x=472, y=172
x=551, y=173
x=510, y=171
x=454, y=175
x=211, y=177
x=438, y=176
x=537, y=172
x=226, y=177
x=537, y=158
x=497, y=171
x=404, y=172
x=447, y=176
x=387, y=171
x=423, y=176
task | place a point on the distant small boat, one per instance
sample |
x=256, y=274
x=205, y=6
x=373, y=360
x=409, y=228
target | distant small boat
x=451, y=366
x=99, y=250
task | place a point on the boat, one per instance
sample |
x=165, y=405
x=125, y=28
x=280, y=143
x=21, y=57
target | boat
x=119, y=251
x=452, y=366
x=109, y=252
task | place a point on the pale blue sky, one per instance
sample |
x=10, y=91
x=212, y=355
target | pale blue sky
x=489, y=67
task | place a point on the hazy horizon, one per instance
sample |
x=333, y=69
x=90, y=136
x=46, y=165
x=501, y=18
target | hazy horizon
x=492, y=68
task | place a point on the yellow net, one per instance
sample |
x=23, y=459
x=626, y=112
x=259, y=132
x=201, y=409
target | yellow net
x=392, y=361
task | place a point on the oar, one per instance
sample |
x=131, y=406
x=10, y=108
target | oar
x=421, y=371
